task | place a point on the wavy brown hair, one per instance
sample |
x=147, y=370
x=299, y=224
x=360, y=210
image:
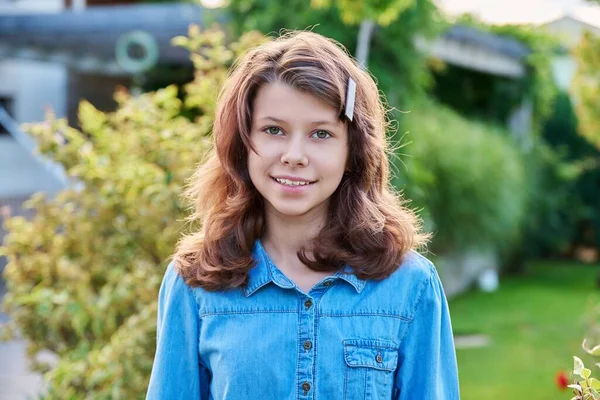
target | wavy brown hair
x=368, y=226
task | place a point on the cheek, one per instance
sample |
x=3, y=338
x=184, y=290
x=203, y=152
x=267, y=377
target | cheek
x=336, y=161
x=254, y=163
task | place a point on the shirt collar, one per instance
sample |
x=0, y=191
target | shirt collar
x=265, y=271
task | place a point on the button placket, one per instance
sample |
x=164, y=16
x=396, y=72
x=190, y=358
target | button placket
x=306, y=353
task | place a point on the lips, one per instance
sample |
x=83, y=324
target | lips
x=292, y=181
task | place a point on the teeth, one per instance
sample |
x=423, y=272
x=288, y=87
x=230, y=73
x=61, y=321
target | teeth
x=291, y=183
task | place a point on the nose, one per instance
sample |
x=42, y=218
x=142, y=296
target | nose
x=294, y=153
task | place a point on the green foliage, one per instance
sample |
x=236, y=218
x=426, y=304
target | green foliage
x=399, y=68
x=572, y=198
x=468, y=177
x=587, y=387
x=555, y=206
x=353, y=12
x=84, y=271
x=539, y=82
x=587, y=87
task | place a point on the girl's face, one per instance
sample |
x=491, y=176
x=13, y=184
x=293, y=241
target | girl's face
x=302, y=150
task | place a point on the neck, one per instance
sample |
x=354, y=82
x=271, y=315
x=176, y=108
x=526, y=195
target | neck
x=286, y=235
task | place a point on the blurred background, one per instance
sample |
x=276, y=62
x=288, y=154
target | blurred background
x=106, y=107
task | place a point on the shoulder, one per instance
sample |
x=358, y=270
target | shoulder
x=414, y=282
x=415, y=269
x=173, y=285
x=175, y=290
x=429, y=292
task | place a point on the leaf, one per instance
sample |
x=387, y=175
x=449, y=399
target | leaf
x=577, y=366
x=181, y=41
x=92, y=120
x=595, y=351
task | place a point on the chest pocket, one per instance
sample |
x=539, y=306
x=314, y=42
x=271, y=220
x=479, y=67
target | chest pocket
x=370, y=366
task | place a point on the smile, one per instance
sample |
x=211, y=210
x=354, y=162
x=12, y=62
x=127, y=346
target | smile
x=288, y=182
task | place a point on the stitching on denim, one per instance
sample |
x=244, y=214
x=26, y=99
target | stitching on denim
x=356, y=283
x=364, y=365
x=369, y=366
x=248, y=291
x=372, y=314
x=208, y=314
x=370, y=346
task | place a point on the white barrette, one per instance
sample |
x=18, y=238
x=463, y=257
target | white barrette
x=350, y=97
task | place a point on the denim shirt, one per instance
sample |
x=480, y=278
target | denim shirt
x=346, y=339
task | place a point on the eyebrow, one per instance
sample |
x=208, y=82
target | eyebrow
x=281, y=121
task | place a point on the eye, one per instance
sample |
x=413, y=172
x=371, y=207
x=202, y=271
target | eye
x=321, y=134
x=273, y=130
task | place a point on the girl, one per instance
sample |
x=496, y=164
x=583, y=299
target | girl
x=304, y=282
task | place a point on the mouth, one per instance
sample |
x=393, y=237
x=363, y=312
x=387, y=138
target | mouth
x=292, y=183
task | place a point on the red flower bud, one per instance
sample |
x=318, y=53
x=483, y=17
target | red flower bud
x=562, y=380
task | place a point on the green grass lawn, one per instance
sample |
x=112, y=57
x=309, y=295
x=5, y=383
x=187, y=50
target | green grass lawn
x=536, y=323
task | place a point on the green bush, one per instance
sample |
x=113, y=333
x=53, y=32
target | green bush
x=83, y=273
x=580, y=191
x=555, y=206
x=468, y=177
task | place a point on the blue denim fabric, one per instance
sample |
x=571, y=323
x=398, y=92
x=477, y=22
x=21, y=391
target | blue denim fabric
x=354, y=339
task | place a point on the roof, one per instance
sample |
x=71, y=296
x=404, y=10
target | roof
x=93, y=33
x=501, y=44
x=588, y=21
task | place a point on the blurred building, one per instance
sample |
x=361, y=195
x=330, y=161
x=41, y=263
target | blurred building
x=569, y=30
x=54, y=53
x=490, y=55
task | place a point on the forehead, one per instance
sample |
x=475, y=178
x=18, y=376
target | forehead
x=286, y=103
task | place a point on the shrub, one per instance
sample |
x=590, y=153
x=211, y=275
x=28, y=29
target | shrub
x=468, y=177
x=83, y=274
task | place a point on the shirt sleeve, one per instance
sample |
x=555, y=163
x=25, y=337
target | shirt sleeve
x=427, y=368
x=177, y=372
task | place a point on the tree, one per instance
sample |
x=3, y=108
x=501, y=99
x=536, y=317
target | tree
x=368, y=13
x=587, y=88
x=400, y=68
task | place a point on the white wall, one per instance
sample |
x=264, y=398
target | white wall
x=564, y=68
x=569, y=30
x=28, y=6
x=33, y=86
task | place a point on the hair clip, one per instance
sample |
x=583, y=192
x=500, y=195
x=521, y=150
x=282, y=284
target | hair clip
x=350, y=97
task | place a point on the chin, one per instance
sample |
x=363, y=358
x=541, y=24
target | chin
x=292, y=211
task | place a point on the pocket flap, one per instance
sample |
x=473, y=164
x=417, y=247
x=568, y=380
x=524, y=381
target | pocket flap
x=371, y=353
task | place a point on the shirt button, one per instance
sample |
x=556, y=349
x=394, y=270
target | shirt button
x=327, y=283
x=308, y=304
x=307, y=345
x=378, y=358
x=306, y=386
